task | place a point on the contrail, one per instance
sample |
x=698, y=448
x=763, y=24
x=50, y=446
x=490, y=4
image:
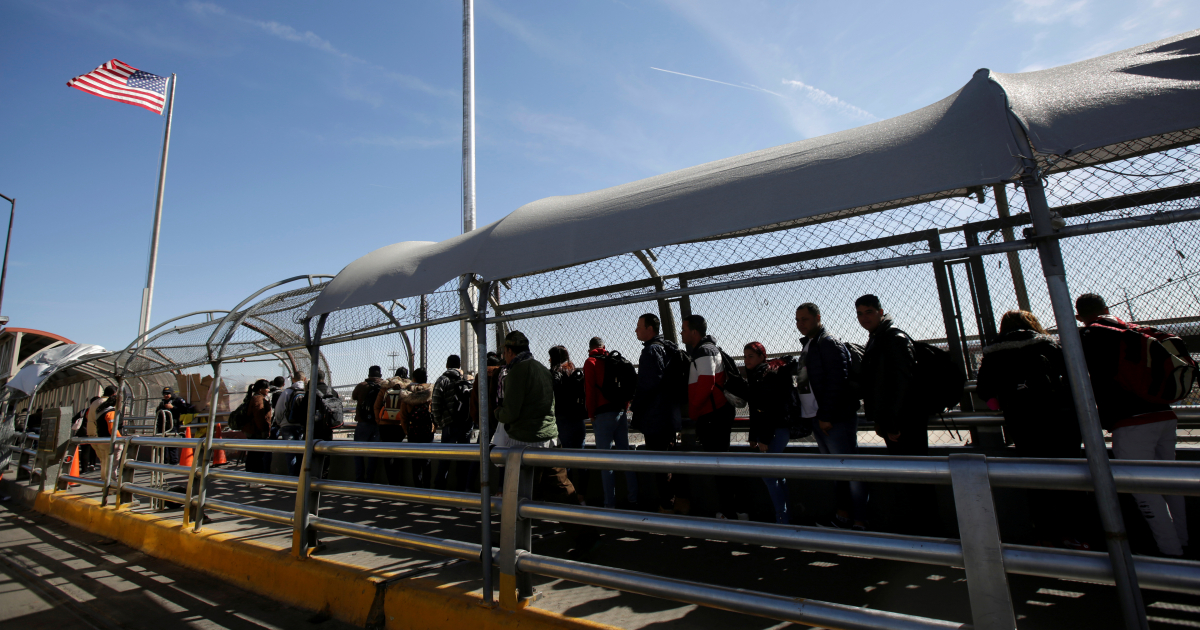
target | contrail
x=743, y=87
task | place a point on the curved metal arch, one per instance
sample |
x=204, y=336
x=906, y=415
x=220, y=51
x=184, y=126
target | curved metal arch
x=248, y=300
x=664, y=307
x=403, y=334
x=148, y=339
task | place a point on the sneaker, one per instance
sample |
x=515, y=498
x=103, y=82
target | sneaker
x=720, y=516
x=836, y=522
x=1074, y=543
x=742, y=516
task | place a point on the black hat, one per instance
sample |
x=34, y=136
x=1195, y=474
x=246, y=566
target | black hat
x=374, y=370
x=167, y=391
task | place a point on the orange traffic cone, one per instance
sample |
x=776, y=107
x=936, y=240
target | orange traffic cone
x=185, y=454
x=218, y=456
x=74, y=467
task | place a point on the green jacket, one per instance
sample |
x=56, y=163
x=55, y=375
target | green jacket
x=528, y=408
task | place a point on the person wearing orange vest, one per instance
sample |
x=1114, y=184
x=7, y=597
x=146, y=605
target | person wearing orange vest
x=100, y=418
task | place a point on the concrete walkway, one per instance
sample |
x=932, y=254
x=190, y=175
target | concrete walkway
x=56, y=577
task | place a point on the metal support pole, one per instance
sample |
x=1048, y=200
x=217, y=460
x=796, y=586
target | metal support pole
x=685, y=301
x=665, y=314
x=979, y=291
x=1128, y=594
x=953, y=342
x=303, y=537
x=213, y=398
x=485, y=462
x=1014, y=258
x=12, y=215
x=983, y=558
x=148, y=292
x=516, y=533
x=466, y=332
x=424, y=332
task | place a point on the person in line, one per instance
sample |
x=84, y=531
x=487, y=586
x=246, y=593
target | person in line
x=769, y=430
x=366, y=429
x=492, y=368
x=259, y=426
x=455, y=423
x=391, y=429
x=323, y=430
x=175, y=406
x=889, y=400
x=832, y=407
x=655, y=408
x=416, y=418
x=287, y=427
x=570, y=412
x=1023, y=374
x=101, y=418
x=708, y=406
x=526, y=414
x=610, y=423
x=1140, y=429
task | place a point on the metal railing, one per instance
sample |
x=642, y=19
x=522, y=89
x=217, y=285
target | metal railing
x=971, y=477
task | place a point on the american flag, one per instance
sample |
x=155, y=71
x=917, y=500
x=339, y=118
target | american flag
x=121, y=82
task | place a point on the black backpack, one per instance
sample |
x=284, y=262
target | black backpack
x=853, y=388
x=366, y=406
x=420, y=421
x=330, y=411
x=937, y=380
x=297, y=408
x=735, y=383
x=458, y=401
x=238, y=417
x=679, y=363
x=620, y=379
x=570, y=396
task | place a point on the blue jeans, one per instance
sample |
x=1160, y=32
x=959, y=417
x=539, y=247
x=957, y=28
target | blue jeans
x=851, y=496
x=364, y=467
x=613, y=427
x=289, y=432
x=777, y=487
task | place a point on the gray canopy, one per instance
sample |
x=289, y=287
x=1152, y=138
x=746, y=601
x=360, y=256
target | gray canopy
x=974, y=137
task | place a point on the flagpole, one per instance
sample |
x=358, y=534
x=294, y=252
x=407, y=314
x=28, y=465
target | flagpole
x=148, y=292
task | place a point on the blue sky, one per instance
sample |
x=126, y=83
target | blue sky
x=310, y=133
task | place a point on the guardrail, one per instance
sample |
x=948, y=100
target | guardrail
x=971, y=477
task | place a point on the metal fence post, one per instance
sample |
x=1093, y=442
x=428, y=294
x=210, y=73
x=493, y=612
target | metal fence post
x=302, y=536
x=1014, y=258
x=214, y=397
x=953, y=343
x=516, y=588
x=485, y=460
x=1128, y=593
x=983, y=559
x=982, y=295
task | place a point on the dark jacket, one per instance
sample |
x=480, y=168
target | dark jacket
x=527, y=405
x=365, y=401
x=259, y=426
x=888, y=365
x=654, y=407
x=766, y=401
x=1118, y=406
x=828, y=363
x=1024, y=371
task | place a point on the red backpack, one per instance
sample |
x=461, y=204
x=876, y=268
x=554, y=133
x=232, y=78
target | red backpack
x=1154, y=365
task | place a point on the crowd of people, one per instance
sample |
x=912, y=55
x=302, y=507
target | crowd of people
x=820, y=390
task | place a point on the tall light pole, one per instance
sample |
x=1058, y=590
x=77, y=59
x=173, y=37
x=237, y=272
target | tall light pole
x=466, y=331
x=4, y=270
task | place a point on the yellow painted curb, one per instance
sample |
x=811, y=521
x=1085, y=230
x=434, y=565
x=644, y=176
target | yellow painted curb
x=344, y=592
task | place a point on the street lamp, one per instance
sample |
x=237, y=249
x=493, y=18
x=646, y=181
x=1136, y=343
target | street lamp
x=4, y=270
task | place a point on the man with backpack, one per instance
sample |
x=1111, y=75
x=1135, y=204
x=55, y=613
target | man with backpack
x=290, y=417
x=1124, y=361
x=831, y=407
x=366, y=429
x=892, y=403
x=711, y=376
x=609, y=422
x=451, y=408
x=655, y=405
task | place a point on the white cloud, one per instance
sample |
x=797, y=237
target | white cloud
x=825, y=99
x=1049, y=11
x=316, y=42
